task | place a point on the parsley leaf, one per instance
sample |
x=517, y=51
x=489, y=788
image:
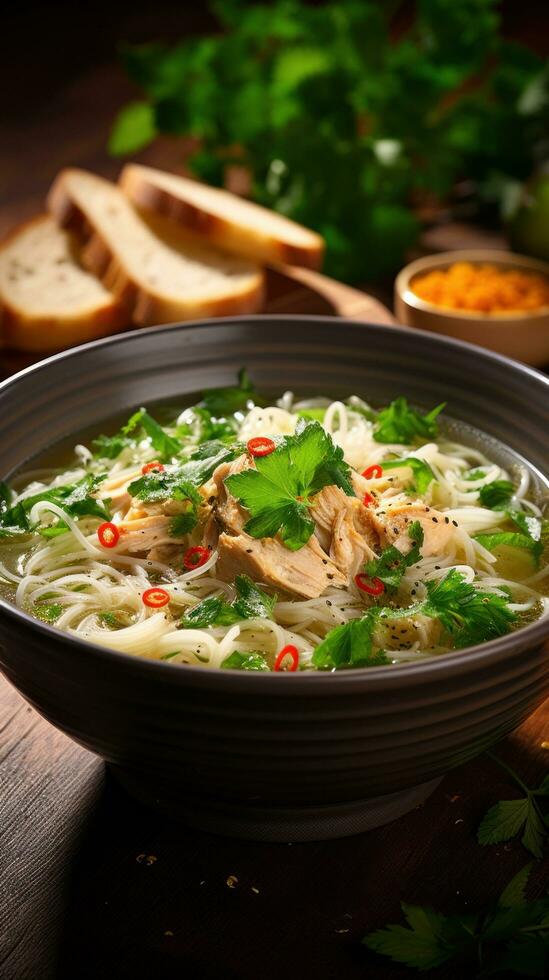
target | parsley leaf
x=165, y=445
x=496, y=495
x=511, y=539
x=245, y=661
x=507, y=818
x=110, y=619
x=250, y=603
x=213, y=611
x=350, y=645
x=221, y=402
x=392, y=564
x=469, y=615
x=205, y=459
x=401, y=424
x=48, y=613
x=277, y=491
x=156, y=486
x=423, y=475
x=74, y=498
x=110, y=447
x=511, y=935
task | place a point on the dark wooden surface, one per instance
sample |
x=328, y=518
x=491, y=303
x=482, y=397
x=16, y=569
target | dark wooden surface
x=93, y=885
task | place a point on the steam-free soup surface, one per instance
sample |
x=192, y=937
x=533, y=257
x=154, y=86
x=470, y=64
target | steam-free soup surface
x=297, y=535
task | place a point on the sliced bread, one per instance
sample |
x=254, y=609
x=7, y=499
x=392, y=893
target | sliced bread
x=160, y=273
x=223, y=218
x=47, y=300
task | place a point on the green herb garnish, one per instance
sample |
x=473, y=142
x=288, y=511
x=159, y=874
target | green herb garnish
x=468, y=615
x=511, y=935
x=511, y=539
x=165, y=445
x=423, y=475
x=223, y=402
x=497, y=494
x=246, y=661
x=156, y=487
x=350, y=645
x=278, y=491
x=74, y=498
x=401, y=424
x=48, y=613
x=110, y=619
x=392, y=564
x=250, y=603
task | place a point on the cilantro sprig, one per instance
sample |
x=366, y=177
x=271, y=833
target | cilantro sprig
x=75, y=498
x=251, y=603
x=507, y=818
x=392, y=564
x=496, y=495
x=399, y=423
x=509, y=935
x=351, y=645
x=224, y=402
x=467, y=614
x=422, y=474
x=156, y=487
x=246, y=661
x=278, y=491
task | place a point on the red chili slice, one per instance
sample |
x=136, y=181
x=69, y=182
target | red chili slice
x=260, y=446
x=108, y=534
x=287, y=651
x=155, y=465
x=373, y=586
x=155, y=598
x=195, y=557
x=368, y=500
x=373, y=472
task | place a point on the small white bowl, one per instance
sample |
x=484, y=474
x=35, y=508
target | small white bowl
x=521, y=335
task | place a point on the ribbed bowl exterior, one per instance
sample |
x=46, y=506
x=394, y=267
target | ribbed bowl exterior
x=284, y=739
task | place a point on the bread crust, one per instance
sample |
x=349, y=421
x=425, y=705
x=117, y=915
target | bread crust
x=138, y=184
x=43, y=333
x=145, y=307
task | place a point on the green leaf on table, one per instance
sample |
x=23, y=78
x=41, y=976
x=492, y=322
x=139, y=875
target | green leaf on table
x=507, y=818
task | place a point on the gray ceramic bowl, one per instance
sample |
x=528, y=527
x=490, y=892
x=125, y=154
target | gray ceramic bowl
x=276, y=756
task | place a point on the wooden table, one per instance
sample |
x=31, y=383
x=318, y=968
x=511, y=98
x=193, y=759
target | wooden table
x=94, y=886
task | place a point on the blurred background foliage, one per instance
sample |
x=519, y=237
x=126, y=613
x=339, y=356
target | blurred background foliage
x=345, y=127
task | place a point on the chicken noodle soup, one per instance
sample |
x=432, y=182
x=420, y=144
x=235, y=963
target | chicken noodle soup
x=303, y=535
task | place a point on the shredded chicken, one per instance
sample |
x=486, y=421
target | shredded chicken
x=392, y=525
x=307, y=572
x=345, y=529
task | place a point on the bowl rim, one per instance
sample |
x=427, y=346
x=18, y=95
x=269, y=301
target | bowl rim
x=495, y=256
x=382, y=677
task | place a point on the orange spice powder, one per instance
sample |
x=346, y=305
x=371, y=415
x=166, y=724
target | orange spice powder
x=483, y=288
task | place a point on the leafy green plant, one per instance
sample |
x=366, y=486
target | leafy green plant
x=508, y=818
x=512, y=935
x=340, y=125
